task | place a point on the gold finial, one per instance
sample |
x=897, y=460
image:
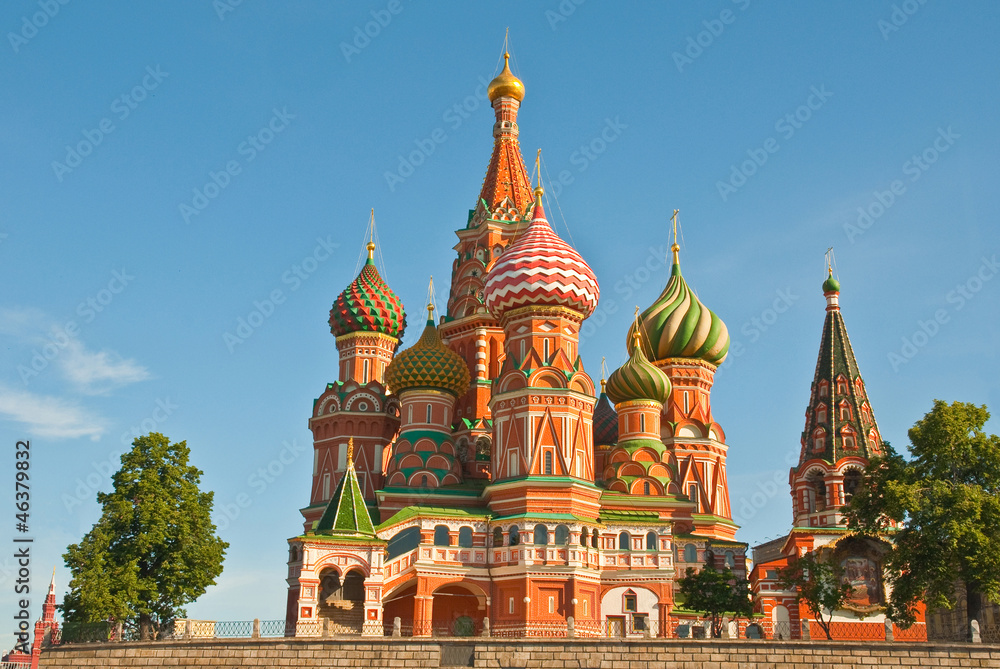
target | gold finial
x=604, y=372
x=430, y=299
x=371, y=236
x=829, y=261
x=636, y=337
x=675, y=247
x=350, y=452
x=538, y=171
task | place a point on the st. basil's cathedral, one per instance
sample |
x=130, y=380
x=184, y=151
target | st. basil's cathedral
x=478, y=478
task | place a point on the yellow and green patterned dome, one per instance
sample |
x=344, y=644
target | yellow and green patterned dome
x=638, y=379
x=678, y=325
x=428, y=364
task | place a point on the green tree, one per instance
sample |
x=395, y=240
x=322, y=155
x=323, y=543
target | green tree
x=818, y=582
x=941, y=508
x=154, y=548
x=716, y=593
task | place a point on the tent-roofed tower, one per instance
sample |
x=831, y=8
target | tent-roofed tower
x=840, y=433
x=501, y=212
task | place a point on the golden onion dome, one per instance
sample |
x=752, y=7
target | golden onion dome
x=506, y=84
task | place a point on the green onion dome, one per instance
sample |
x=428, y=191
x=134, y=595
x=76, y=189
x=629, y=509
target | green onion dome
x=678, y=325
x=638, y=379
x=368, y=305
x=831, y=285
x=428, y=364
x=605, y=421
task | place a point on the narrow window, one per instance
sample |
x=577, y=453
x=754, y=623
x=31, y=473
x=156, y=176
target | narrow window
x=645, y=487
x=650, y=541
x=594, y=539
x=562, y=535
x=423, y=481
x=690, y=553
x=497, y=536
x=552, y=604
x=465, y=537
x=624, y=541
x=642, y=423
x=512, y=465
x=631, y=602
x=366, y=367
x=326, y=486
x=441, y=536
x=342, y=457
x=579, y=465
x=585, y=608
x=514, y=536
x=545, y=351
x=510, y=605
x=583, y=537
x=428, y=413
x=693, y=496
x=541, y=535
x=548, y=463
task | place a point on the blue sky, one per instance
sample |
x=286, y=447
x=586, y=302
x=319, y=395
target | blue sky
x=768, y=126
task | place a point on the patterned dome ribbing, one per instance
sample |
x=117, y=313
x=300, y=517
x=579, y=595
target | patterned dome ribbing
x=638, y=379
x=678, y=325
x=368, y=305
x=605, y=421
x=428, y=364
x=539, y=268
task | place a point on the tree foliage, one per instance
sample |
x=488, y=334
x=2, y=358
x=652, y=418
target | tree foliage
x=942, y=510
x=818, y=581
x=716, y=593
x=153, y=550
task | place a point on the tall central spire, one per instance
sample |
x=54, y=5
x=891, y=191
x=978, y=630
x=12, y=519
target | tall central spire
x=506, y=176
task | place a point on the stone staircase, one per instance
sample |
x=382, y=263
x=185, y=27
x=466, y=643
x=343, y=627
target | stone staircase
x=344, y=616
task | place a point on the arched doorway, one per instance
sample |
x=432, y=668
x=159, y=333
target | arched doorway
x=341, y=600
x=458, y=609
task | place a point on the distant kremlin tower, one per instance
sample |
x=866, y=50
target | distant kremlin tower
x=478, y=477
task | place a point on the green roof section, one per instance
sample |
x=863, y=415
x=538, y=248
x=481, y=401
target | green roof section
x=347, y=514
x=434, y=512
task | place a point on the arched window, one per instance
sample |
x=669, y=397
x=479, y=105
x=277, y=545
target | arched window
x=848, y=437
x=642, y=424
x=818, y=487
x=366, y=365
x=645, y=488
x=852, y=480
x=687, y=402
x=548, y=463
x=583, y=536
x=465, y=537
x=497, y=536
x=624, y=541
x=541, y=535
x=513, y=535
x=821, y=413
x=562, y=535
x=690, y=553
x=845, y=411
x=651, y=541
x=819, y=441
x=824, y=388
x=423, y=480
x=594, y=539
x=730, y=559
x=428, y=413
x=442, y=537
x=545, y=351
x=841, y=385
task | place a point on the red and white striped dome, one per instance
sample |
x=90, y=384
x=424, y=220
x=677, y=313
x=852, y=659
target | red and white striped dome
x=539, y=268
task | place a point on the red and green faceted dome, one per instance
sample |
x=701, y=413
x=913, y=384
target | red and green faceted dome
x=428, y=364
x=368, y=305
x=638, y=379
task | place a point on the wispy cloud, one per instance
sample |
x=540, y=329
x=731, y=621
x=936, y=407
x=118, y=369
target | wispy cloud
x=47, y=416
x=97, y=373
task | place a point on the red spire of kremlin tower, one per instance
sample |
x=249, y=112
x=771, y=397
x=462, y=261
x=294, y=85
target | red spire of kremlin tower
x=500, y=214
x=840, y=436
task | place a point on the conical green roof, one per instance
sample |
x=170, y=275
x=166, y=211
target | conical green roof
x=346, y=515
x=678, y=325
x=638, y=379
